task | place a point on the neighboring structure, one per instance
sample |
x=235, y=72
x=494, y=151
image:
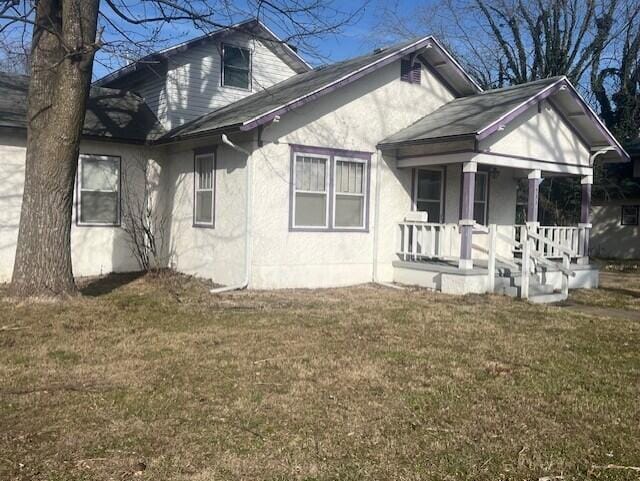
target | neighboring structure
x=392, y=166
x=616, y=213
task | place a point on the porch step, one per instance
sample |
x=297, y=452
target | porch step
x=547, y=298
x=511, y=286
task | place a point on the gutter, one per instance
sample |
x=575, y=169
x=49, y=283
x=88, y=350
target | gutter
x=247, y=237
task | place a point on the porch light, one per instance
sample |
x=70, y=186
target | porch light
x=494, y=173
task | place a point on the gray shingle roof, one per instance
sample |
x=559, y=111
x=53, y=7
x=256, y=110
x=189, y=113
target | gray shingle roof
x=111, y=113
x=469, y=115
x=285, y=92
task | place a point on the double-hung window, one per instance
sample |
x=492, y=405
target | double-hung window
x=329, y=190
x=480, y=202
x=630, y=214
x=350, y=192
x=311, y=196
x=236, y=67
x=204, y=189
x=522, y=201
x=98, y=190
x=428, y=193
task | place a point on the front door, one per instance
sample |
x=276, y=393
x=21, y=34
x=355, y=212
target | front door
x=428, y=193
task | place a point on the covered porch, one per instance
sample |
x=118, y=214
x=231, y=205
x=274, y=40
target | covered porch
x=490, y=242
x=477, y=164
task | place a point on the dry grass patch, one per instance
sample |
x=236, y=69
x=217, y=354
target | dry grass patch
x=359, y=383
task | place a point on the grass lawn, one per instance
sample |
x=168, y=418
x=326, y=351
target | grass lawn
x=348, y=384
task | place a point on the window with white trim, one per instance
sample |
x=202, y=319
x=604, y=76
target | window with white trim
x=204, y=189
x=480, y=201
x=236, y=67
x=311, y=193
x=428, y=193
x=98, y=190
x=630, y=214
x=350, y=193
x=329, y=190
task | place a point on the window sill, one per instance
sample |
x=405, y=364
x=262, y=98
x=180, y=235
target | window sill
x=240, y=89
x=362, y=230
x=203, y=226
x=96, y=224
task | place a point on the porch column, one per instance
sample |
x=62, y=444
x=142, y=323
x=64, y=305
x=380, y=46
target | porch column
x=469, y=170
x=585, y=217
x=535, y=179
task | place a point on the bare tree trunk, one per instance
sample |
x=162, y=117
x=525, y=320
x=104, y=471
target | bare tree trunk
x=61, y=63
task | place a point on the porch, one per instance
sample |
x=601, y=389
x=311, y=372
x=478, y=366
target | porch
x=538, y=263
x=486, y=238
x=477, y=164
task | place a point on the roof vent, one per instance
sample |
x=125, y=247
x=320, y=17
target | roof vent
x=379, y=50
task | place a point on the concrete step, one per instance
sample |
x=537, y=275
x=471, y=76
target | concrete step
x=512, y=286
x=536, y=289
x=547, y=298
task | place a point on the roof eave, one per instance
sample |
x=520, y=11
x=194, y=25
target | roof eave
x=433, y=140
x=267, y=117
x=562, y=84
x=168, y=138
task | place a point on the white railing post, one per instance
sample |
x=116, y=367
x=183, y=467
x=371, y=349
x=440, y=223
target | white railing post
x=566, y=261
x=491, y=267
x=526, y=246
x=406, y=229
x=414, y=241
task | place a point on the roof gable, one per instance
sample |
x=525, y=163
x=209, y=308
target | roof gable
x=266, y=105
x=252, y=27
x=482, y=115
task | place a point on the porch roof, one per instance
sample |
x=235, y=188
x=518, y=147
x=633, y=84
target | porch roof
x=478, y=116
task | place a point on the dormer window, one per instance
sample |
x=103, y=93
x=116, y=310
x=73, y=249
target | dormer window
x=236, y=67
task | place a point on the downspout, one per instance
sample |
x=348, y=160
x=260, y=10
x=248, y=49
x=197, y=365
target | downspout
x=376, y=217
x=247, y=237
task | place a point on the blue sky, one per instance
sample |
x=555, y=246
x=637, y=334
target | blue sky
x=358, y=38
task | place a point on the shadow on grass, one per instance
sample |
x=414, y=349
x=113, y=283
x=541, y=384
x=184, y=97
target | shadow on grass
x=109, y=283
x=624, y=292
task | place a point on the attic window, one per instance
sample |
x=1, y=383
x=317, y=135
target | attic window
x=410, y=73
x=236, y=67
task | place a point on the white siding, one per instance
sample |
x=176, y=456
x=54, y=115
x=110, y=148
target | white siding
x=192, y=85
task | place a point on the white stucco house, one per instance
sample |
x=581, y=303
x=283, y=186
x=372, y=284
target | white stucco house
x=391, y=167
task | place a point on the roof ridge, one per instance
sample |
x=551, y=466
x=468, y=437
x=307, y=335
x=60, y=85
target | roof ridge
x=522, y=85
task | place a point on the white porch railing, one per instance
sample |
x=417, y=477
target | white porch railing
x=531, y=247
x=426, y=240
x=559, y=240
x=568, y=237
